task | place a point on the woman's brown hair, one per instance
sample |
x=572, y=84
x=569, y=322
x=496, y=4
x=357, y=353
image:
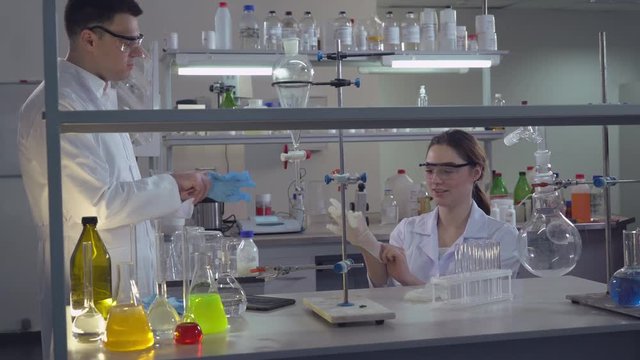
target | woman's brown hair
x=470, y=150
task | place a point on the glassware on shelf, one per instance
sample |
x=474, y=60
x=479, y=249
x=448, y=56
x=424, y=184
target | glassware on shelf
x=292, y=76
x=101, y=270
x=205, y=305
x=89, y=325
x=163, y=318
x=624, y=286
x=128, y=327
x=549, y=244
x=233, y=297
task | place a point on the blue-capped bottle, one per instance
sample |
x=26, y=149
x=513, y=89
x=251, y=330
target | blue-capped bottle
x=247, y=257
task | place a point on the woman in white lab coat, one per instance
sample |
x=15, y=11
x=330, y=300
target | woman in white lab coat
x=422, y=247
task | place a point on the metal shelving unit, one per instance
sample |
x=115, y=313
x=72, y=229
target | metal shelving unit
x=59, y=122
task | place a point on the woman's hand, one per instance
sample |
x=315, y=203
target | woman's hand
x=397, y=266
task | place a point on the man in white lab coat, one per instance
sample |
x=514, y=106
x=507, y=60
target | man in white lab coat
x=100, y=176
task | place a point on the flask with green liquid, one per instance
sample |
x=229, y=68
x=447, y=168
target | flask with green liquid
x=205, y=305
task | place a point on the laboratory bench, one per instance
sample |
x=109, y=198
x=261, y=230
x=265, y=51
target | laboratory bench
x=539, y=323
x=317, y=245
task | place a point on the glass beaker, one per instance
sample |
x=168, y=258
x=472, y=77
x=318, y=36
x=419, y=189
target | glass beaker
x=89, y=325
x=233, y=297
x=128, y=327
x=292, y=76
x=549, y=244
x=163, y=318
x=624, y=286
x=205, y=305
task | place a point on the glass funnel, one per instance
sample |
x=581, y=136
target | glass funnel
x=128, y=327
x=163, y=318
x=89, y=325
x=549, y=244
x=624, y=286
x=233, y=297
x=205, y=305
x=292, y=76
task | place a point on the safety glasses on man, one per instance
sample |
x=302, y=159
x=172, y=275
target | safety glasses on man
x=127, y=42
x=444, y=171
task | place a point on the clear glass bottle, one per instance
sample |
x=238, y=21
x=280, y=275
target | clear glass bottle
x=308, y=33
x=163, y=318
x=391, y=33
x=410, y=33
x=248, y=257
x=597, y=202
x=343, y=31
x=128, y=327
x=233, y=297
x=388, y=208
x=101, y=270
x=549, y=244
x=375, y=34
x=292, y=76
x=498, y=100
x=249, y=29
x=272, y=32
x=424, y=200
x=205, y=305
x=624, y=286
x=289, y=26
x=89, y=325
x=423, y=100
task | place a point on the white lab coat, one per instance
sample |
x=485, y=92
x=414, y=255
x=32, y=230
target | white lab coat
x=100, y=177
x=418, y=236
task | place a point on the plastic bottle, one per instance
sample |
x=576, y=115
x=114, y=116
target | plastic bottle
x=388, y=208
x=272, y=32
x=249, y=29
x=308, y=33
x=101, y=270
x=461, y=38
x=581, y=201
x=223, y=27
x=597, y=202
x=410, y=33
x=360, y=34
x=391, y=33
x=428, y=30
x=498, y=188
x=522, y=198
x=343, y=30
x=401, y=185
x=289, y=26
x=423, y=100
x=247, y=254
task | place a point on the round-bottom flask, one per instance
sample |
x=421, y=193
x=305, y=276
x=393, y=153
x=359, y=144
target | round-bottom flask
x=624, y=286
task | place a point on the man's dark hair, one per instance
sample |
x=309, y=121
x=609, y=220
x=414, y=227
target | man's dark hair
x=79, y=14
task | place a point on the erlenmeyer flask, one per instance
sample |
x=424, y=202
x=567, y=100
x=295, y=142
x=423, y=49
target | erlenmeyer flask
x=205, y=305
x=89, y=325
x=127, y=325
x=549, y=244
x=163, y=318
x=233, y=297
x=292, y=76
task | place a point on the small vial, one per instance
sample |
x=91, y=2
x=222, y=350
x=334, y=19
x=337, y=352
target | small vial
x=498, y=100
x=423, y=100
x=461, y=38
x=263, y=205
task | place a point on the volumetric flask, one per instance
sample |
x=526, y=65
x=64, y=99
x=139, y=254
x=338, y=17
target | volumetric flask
x=624, y=286
x=89, y=325
x=163, y=318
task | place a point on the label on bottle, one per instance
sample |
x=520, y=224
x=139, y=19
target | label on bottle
x=392, y=35
x=344, y=33
x=249, y=33
x=411, y=33
x=289, y=33
x=274, y=32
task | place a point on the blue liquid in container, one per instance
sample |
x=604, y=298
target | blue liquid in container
x=625, y=290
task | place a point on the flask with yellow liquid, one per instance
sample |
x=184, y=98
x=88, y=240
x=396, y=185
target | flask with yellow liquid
x=128, y=327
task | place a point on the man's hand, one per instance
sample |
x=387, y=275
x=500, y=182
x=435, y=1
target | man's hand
x=358, y=233
x=192, y=185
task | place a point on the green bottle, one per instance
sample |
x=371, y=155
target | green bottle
x=521, y=197
x=227, y=101
x=101, y=266
x=498, y=188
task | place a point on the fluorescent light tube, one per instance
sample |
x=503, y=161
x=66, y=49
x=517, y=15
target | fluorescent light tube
x=224, y=70
x=440, y=64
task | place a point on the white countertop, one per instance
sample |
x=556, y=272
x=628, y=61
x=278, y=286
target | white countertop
x=539, y=311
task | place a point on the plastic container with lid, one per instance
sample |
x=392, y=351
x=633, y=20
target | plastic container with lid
x=223, y=26
x=581, y=201
x=402, y=187
x=247, y=256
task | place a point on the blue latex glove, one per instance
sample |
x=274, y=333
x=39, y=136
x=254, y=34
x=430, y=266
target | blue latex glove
x=226, y=188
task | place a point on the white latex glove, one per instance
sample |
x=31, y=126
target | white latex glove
x=358, y=232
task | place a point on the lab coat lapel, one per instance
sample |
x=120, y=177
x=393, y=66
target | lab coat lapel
x=426, y=229
x=476, y=225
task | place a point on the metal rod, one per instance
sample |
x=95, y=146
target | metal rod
x=485, y=7
x=343, y=187
x=605, y=153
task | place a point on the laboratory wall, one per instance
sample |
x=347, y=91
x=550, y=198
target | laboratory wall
x=553, y=59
